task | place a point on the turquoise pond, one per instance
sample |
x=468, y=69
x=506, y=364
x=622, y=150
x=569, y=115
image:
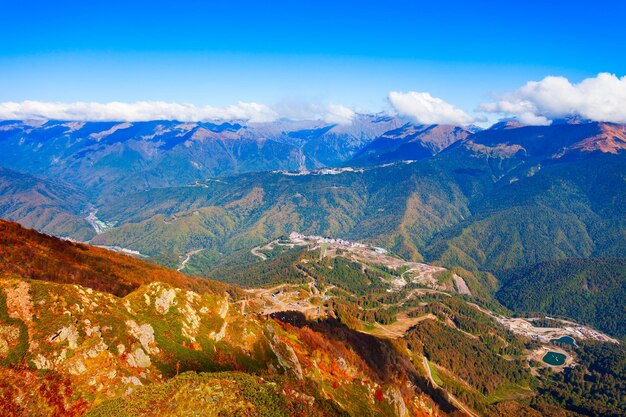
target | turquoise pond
x=565, y=339
x=554, y=358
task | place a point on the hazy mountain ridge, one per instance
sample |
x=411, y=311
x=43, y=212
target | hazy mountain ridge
x=143, y=155
x=409, y=142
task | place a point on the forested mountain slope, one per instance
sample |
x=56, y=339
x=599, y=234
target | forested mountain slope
x=588, y=290
x=47, y=205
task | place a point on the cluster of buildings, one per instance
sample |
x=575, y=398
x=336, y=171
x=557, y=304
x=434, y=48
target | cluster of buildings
x=297, y=237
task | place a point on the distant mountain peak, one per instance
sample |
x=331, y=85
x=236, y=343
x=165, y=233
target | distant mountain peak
x=507, y=124
x=410, y=142
x=611, y=138
x=571, y=120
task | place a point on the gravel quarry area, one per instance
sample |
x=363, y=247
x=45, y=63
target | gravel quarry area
x=525, y=327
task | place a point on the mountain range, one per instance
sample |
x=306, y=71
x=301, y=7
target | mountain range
x=508, y=220
x=490, y=199
x=427, y=192
x=121, y=157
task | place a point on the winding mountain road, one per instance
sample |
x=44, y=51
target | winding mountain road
x=188, y=257
x=255, y=252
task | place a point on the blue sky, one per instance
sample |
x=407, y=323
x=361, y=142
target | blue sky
x=352, y=53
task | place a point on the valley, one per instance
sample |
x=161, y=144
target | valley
x=98, y=225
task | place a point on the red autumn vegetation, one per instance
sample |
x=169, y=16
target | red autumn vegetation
x=33, y=255
x=50, y=394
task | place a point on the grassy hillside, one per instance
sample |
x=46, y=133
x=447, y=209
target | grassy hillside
x=227, y=393
x=75, y=347
x=103, y=346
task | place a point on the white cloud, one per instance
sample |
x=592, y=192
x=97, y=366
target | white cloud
x=600, y=98
x=134, y=112
x=159, y=110
x=427, y=109
x=336, y=113
x=330, y=113
x=252, y=112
